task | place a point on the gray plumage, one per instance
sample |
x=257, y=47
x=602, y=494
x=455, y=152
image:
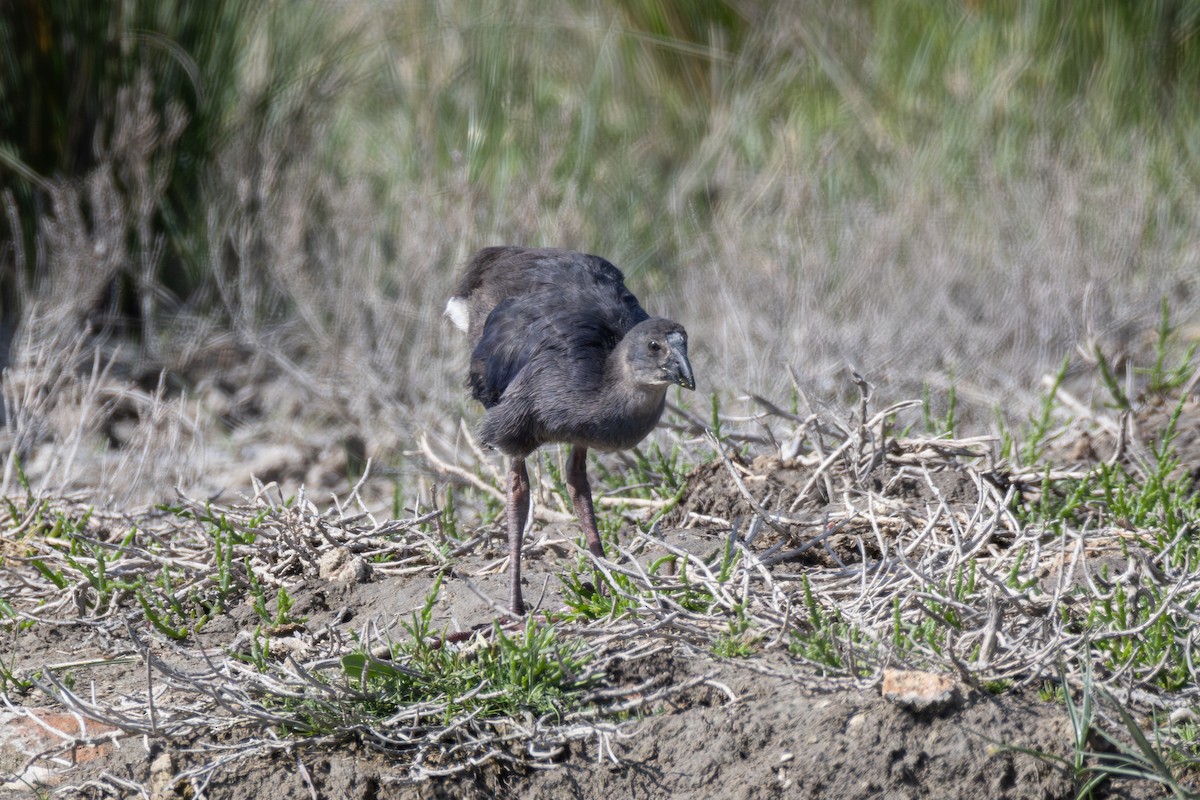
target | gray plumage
x=561, y=351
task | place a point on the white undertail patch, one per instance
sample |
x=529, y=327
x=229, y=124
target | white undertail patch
x=459, y=312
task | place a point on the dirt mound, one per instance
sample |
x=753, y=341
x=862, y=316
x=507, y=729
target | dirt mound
x=785, y=740
x=793, y=509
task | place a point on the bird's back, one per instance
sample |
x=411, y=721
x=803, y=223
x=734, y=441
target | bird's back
x=560, y=280
x=564, y=309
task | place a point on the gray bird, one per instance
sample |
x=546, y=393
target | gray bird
x=561, y=351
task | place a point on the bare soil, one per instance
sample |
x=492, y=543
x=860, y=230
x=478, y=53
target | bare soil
x=768, y=724
x=759, y=727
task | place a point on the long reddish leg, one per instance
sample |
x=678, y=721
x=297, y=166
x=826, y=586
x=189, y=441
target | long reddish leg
x=581, y=497
x=518, y=512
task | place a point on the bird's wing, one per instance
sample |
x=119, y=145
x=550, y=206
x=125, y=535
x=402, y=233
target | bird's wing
x=563, y=278
x=529, y=332
x=503, y=349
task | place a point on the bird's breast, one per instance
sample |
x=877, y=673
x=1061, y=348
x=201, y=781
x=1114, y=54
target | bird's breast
x=602, y=422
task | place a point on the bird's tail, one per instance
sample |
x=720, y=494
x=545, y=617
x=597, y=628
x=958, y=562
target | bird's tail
x=459, y=312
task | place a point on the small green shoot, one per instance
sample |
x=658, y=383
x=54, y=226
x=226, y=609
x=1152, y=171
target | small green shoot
x=283, y=606
x=1120, y=399
x=944, y=425
x=1163, y=379
x=1039, y=426
x=738, y=641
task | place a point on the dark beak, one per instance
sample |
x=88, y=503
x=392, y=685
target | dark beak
x=681, y=369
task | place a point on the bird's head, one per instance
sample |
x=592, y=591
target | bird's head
x=655, y=354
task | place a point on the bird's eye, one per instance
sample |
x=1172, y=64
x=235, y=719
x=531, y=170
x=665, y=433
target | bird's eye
x=655, y=346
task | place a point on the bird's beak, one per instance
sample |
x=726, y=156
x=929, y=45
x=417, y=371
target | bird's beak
x=681, y=368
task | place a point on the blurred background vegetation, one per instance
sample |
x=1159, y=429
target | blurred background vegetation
x=942, y=194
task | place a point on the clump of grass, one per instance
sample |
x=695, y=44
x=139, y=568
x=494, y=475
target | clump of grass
x=946, y=423
x=821, y=641
x=622, y=592
x=499, y=676
x=673, y=584
x=1100, y=754
x=1133, y=623
x=1163, y=378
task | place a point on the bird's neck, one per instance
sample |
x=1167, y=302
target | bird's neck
x=620, y=384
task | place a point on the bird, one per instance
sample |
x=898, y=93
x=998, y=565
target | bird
x=561, y=351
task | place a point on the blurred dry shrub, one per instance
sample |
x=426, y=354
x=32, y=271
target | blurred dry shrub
x=779, y=178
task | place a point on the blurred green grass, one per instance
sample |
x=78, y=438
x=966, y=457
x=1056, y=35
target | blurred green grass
x=934, y=192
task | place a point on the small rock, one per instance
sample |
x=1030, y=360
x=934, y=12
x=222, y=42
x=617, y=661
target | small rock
x=920, y=691
x=34, y=778
x=162, y=777
x=342, y=566
x=292, y=646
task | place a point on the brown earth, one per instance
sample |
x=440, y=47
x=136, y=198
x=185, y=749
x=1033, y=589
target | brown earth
x=770, y=724
x=761, y=727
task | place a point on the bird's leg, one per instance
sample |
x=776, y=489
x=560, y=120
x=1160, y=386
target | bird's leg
x=518, y=511
x=581, y=496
